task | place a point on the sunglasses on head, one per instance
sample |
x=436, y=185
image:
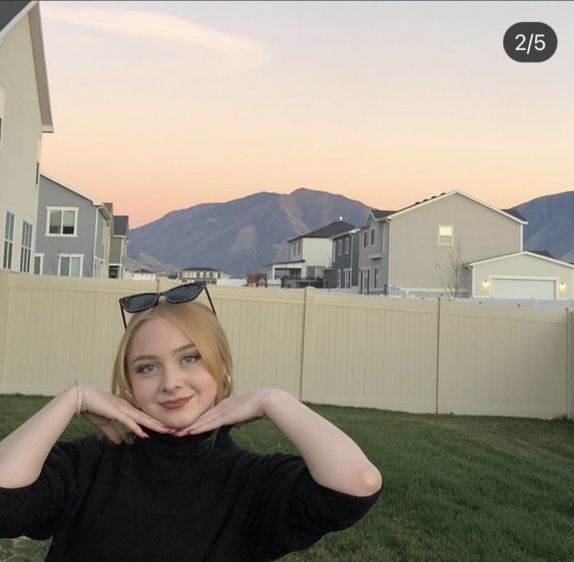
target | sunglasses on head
x=144, y=301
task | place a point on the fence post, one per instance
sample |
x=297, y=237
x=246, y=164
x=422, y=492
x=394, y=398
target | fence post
x=441, y=325
x=4, y=291
x=569, y=363
x=308, y=351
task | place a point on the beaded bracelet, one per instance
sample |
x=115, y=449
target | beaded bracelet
x=80, y=397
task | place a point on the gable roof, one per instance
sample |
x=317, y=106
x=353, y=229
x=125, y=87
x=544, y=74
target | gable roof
x=531, y=254
x=515, y=213
x=346, y=233
x=378, y=214
x=105, y=210
x=510, y=213
x=11, y=12
x=332, y=229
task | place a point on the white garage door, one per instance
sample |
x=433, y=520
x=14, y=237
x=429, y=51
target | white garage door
x=523, y=289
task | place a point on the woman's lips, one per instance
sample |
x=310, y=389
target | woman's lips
x=175, y=404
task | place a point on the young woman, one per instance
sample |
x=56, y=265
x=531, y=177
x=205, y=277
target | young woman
x=179, y=489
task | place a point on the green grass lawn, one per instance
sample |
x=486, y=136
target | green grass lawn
x=456, y=488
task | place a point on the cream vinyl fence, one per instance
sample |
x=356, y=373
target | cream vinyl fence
x=435, y=356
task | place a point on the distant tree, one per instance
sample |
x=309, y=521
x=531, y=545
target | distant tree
x=455, y=286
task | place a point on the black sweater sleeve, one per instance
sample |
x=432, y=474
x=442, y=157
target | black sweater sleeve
x=35, y=509
x=291, y=511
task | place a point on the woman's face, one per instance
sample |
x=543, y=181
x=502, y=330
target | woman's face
x=168, y=378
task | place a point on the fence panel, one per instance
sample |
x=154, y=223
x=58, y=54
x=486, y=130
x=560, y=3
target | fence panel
x=59, y=329
x=497, y=360
x=371, y=351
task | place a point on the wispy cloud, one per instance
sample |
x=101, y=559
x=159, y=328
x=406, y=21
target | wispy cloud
x=240, y=50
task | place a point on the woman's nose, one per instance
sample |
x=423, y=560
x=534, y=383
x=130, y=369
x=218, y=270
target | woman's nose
x=171, y=379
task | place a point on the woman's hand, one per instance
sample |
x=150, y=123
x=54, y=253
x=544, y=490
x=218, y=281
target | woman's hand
x=231, y=411
x=102, y=409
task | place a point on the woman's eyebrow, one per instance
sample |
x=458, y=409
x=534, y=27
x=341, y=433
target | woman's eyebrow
x=186, y=347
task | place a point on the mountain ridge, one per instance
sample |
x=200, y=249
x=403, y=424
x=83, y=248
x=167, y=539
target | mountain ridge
x=242, y=235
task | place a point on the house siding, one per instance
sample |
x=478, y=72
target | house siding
x=344, y=261
x=54, y=195
x=418, y=262
x=373, y=255
x=21, y=135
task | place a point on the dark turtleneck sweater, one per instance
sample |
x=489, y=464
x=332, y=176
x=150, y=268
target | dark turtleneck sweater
x=168, y=499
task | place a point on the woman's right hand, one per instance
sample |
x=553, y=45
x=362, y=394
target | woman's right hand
x=102, y=409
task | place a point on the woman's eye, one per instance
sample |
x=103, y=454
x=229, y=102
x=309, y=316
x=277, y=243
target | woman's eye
x=188, y=359
x=145, y=369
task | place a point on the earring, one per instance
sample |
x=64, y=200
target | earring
x=227, y=380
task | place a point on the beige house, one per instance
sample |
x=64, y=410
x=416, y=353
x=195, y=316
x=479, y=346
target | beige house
x=424, y=248
x=24, y=115
x=523, y=275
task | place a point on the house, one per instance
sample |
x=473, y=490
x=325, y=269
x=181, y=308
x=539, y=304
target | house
x=25, y=115
x=309, y=256
x=205, y=274
x=118, y=245
x=345, y=260
x=423, y=249
x=522, y=275
x=73, y=234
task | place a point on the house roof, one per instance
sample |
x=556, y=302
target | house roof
x=378, y=214
x=515, y=213
x=352, y=231
x=510, y=213
x=332, y=229
x=103, y=207
x=120, y=227
x=284, y=262
x=516, y=254
x=199, y=269
x=11, y=13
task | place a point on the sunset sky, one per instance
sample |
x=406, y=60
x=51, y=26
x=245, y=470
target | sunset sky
x=164, y=105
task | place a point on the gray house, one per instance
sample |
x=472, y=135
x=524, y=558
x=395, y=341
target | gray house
x=426, y=248
x=345, y=262
x=73, y=233
x=118, y=246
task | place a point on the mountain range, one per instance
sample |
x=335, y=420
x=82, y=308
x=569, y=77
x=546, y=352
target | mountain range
x=242, y=235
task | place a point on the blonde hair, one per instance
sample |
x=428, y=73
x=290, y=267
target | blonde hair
x=202, y=328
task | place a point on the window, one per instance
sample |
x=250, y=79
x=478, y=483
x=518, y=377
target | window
x=70, y=265
x=445, y=235
x=375, y=277
x=347, y=278
x=2, y=98
x=339, y=246
x=365, y=239
x=338, y=278
x=38, y=264
x=8, y=241
x=347, y=239
x=62, y=221
x=26, y=249
x=372, y=236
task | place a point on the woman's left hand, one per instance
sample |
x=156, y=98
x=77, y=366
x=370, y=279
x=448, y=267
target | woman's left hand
x=230, y=411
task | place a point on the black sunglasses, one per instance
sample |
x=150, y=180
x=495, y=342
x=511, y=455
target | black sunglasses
x=144, y=301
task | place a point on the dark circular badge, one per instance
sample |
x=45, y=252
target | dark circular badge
x=530, y=41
